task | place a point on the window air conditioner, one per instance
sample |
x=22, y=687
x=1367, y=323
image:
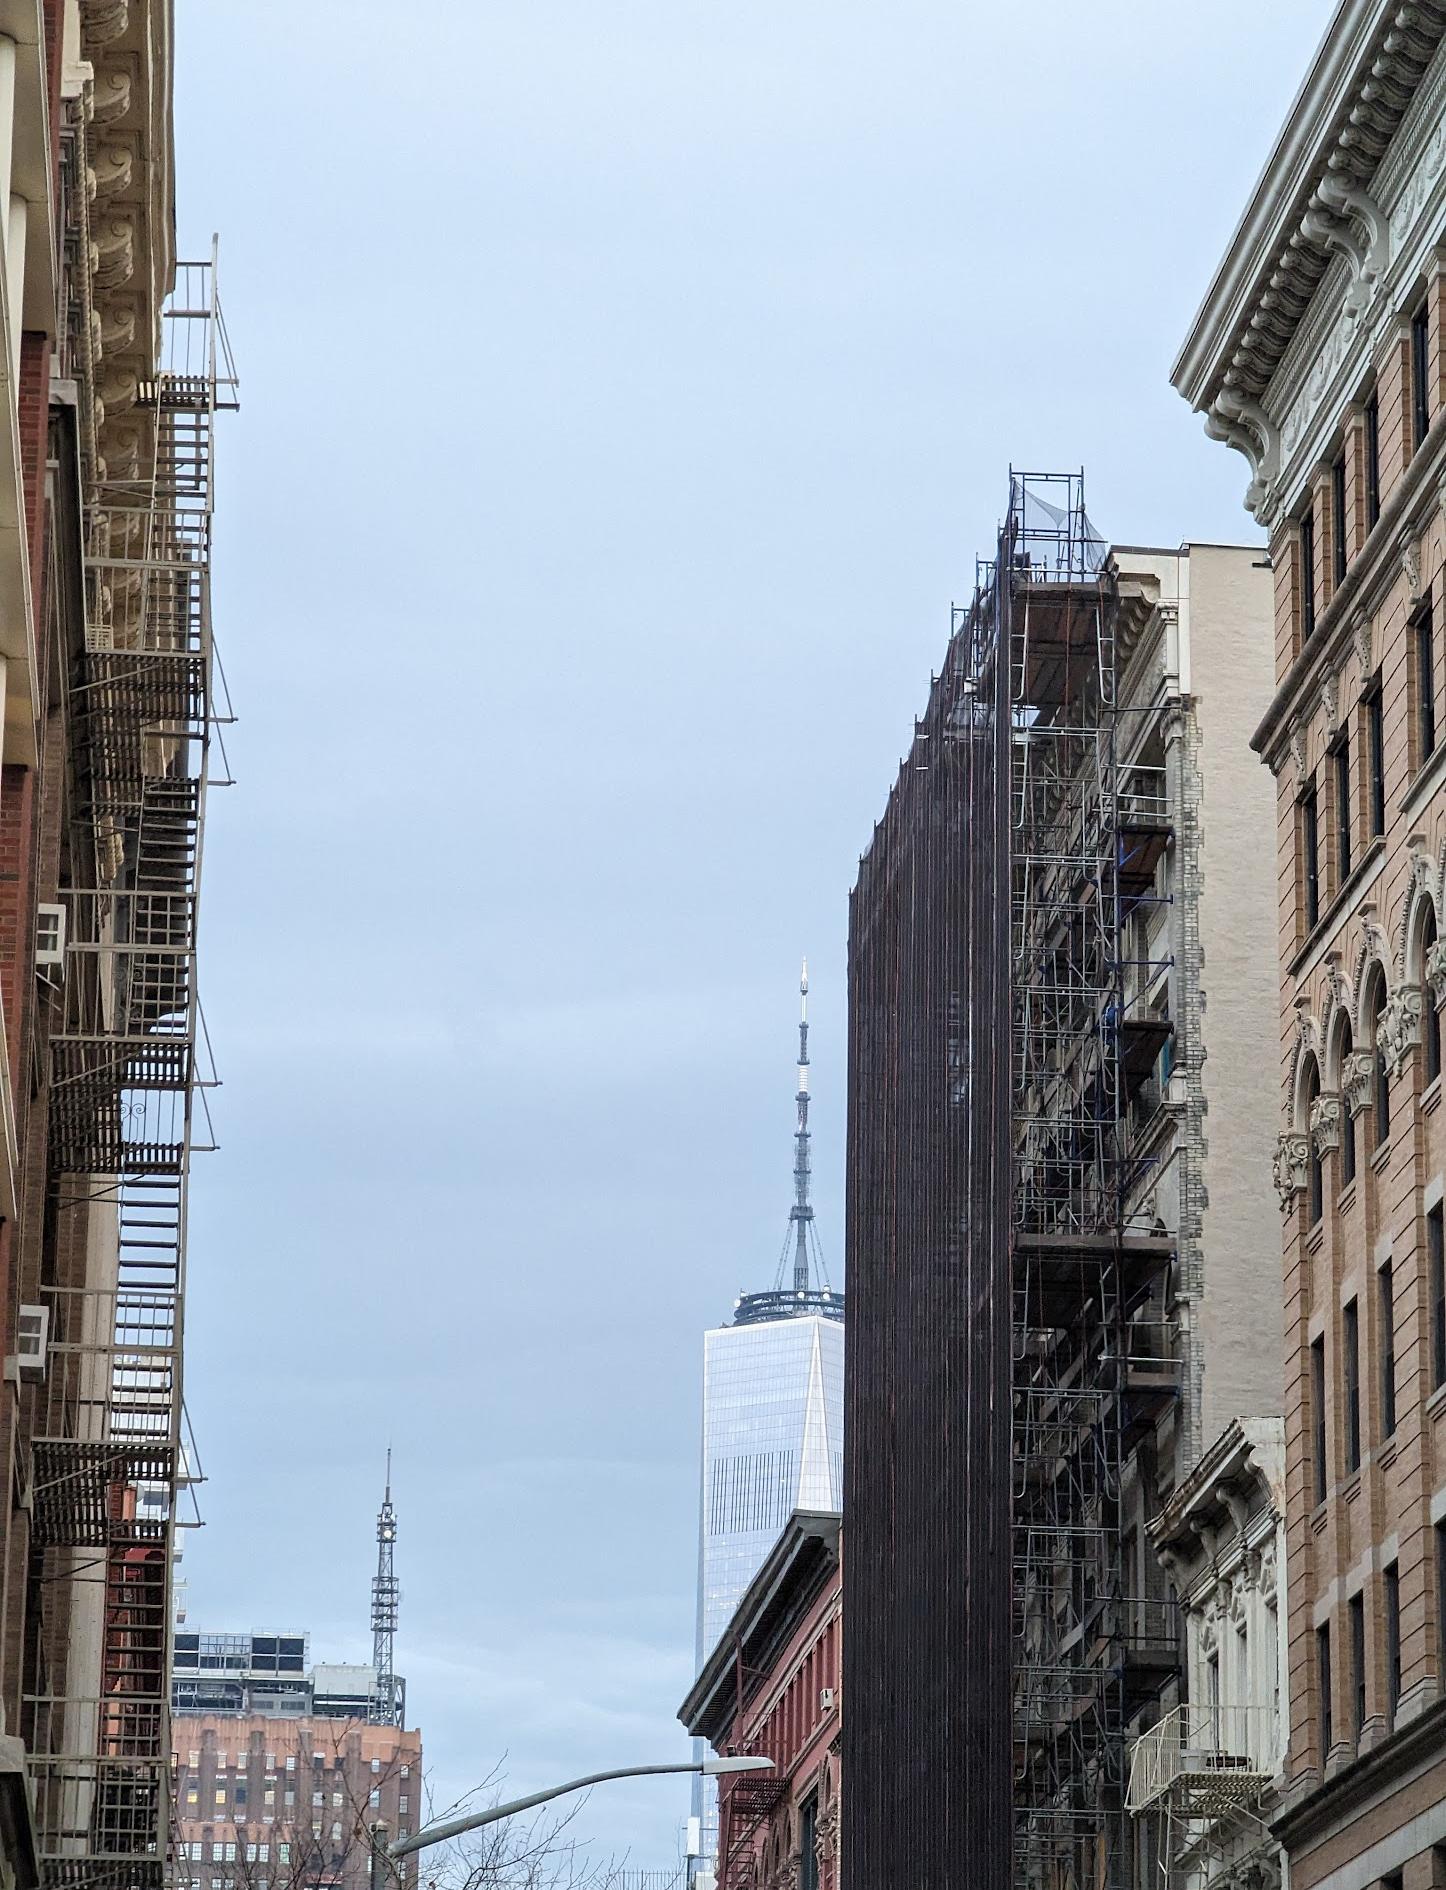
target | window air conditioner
x=825, y=1699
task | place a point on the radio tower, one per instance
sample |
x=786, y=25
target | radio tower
x=801, y=1215
x=389, y=1698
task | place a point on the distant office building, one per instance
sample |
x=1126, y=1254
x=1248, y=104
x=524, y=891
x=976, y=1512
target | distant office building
x=266, y=1676
x=772, y=1417
x=266, y=1801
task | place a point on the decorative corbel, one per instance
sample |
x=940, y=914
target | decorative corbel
x=1245, y=425
x=1400, y=1028
x=1358, y=1072
x=1410, y=554
x=1325, y=1130
x=1297, y=750
x=1341, y=199
x=1292, y=1158
x=1330, y=695
x=1362, y=629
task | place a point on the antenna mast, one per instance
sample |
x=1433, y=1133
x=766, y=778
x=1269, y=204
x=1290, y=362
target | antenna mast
x=801, y=1213
x=389, y=1698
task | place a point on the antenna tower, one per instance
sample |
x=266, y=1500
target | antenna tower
x=389, y=1696
x=801, y=1214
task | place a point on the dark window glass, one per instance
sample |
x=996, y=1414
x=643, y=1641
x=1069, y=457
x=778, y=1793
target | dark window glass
x=808, y=1845
x=1439, y=1532
x=1431, y=1021
x=1338, y=520
x=1318, y=1414
x=1420, y=387
x=1425, y=681
x=1381, y=1073
x=1436, y=1278
x=1376, y=756
x=1351, y=1371
x=1391, y=1581
x=1386, y=1312
x=1356, y=1610
x=1310, y=855
x=1307, y=576
x=1315, y=1189
x=1323, y=1686
x=1348, y=1120
x=1341, y=756
x=1373, y=460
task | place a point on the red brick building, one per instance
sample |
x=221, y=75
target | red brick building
x=771, y=1686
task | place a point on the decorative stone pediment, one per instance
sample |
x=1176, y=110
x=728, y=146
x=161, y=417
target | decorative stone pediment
x=1399, y=1030
x=1292, y=1157
x=1325, y=1124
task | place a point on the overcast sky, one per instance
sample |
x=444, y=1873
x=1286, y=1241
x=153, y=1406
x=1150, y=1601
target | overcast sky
x=628, y=388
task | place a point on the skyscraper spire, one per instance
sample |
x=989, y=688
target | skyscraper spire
x=802, y=1212
x=389, y=1697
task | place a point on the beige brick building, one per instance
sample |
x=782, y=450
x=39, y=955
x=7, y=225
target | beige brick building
x=1319, y=354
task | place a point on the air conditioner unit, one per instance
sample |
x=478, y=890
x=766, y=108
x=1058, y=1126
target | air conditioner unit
x=825, y=1699
x=32, y=1338
x=50, y=940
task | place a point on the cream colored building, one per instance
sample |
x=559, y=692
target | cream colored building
x=1319, y=354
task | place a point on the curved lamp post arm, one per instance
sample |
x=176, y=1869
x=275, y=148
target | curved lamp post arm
x=471, y=1820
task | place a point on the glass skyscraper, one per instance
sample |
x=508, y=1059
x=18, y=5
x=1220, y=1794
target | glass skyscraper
x=772, y=1422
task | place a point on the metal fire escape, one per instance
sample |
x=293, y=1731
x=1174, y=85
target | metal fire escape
x=123, y=1082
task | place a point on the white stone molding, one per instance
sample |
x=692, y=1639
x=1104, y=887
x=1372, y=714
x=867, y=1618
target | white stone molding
x=1330, y=696
x=1434, y=971
x=1245, y=425
x=1325, y=1124
x=1400, y=1026
x=1362, y=629
x=1410, y=552
x=1358, y=1080
x=1297, y=751
x=1292, y=1157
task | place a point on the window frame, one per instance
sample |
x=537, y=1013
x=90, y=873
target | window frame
x=1423, y=659
x=1420, y=374
x=1386, y=1315
x=1340, y=754
x=1373, y=459
x=1320, y=1439
x=1339, y=559
x=1351, y=1381
x=1307, y=614
x=1356, y=1617
x=1310, y=854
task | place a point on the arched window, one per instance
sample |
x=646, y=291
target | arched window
x=1380, y=1076
x=1348, y=1119
x=1430, y=1016
x=1315, y=1191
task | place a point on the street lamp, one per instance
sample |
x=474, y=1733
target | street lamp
x=454, y=1827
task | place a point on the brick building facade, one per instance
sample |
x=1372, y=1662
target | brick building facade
x=1319, y=354
x=771, y=1687
x=272, y=1802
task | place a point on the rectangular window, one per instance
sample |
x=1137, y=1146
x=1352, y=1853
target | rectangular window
x=1307, y=576
x=1318, y=1414
x=1310, y=856
x=1373, y=460
x=1391, y=1581
x=1323, y=1687
x=1420, y=383
x=403, y=1805
x=374, y=1797
x=1351, y=1369
x=376, y=1767
x=1423, y=626
x=1341, y=758
x=1338, y=520
x=1356, y=1611
x=1386, y=1313
x=1436, y=1282
x=1376, y=755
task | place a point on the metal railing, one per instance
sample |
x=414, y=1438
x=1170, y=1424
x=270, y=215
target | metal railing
x=1210, y=1759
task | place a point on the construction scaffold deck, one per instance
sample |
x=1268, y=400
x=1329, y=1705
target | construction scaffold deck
x=125, y=1064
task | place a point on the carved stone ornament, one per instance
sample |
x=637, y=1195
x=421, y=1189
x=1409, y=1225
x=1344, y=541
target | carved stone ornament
x=1244, y=424
x=1330, y=696
x=1297, y=748
x=1410, y=563
x=1399, y=1030
x=1435, y=969
x=1362, y=629
x=1292, y=1157
x=1325, y=1124
x=1267, y=1574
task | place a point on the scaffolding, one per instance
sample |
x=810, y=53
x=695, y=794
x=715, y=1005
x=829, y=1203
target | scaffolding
x=125, y=1065
x=1088, y=824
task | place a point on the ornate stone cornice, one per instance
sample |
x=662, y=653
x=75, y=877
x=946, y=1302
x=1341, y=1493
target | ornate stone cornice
x=1315, y=202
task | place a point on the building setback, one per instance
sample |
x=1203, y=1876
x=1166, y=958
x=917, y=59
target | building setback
x=1320, y=353
x=1057, y=1181
x=111, y=387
